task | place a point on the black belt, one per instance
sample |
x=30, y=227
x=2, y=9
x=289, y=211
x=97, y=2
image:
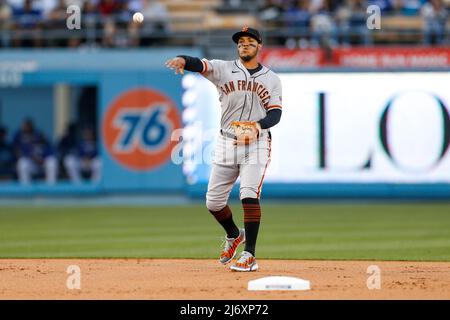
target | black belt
x=232, y=136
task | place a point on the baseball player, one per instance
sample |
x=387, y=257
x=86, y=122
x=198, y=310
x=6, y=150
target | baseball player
x=34, y=154
x=250, y=96
x=83, y=158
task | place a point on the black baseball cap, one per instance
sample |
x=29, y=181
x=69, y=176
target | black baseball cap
x=248, y=32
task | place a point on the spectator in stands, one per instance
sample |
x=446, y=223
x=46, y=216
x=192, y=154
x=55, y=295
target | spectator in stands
x=90, y=16
x=406, y=7
x=109, y=7
x=332, y=5
x=7, y=159
x=156, y=21
x=323, y=26
x=434, y=17
x=134, y=5
x=56, y=19
x=45, y=6
x=298, y=14
x=58, y=13
x=5, y=14
x=351, y=18
x=5, y=22
x=35, y=154
x=384, y=5
x=84, y=159
x=272, y=14
x=27, y=15
x=271, y=10
x=109, y=39
x=28, y=25
x=124, y=21
x=125, y=15
x=90, y=9
x=134, y=33
x=116, y=16
x=155, y=14
x=297, y=18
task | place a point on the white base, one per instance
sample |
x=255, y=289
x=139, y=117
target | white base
x=279, y=283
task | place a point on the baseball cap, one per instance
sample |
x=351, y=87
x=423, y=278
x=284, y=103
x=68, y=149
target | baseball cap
x=249, y=32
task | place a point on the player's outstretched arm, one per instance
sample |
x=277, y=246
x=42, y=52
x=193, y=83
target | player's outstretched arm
x=181, y=63
x=178, y=64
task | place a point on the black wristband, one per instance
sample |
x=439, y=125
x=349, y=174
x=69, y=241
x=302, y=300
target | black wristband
x=192, y=63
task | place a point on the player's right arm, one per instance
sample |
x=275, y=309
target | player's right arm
x=211, y=69
x=181, y=63
x=177, y=63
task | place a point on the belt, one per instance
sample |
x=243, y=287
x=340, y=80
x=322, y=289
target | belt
x=232, y=136
x=227, y=134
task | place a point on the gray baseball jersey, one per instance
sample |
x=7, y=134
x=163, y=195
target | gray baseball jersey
x=243, y=97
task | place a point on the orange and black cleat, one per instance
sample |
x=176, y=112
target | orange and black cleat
x=231, y=244
x=245, y=263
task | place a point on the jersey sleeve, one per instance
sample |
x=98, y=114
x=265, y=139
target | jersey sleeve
x=213, y=70
x=275, y=101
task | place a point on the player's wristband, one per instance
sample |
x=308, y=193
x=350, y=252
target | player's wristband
x=192, y=63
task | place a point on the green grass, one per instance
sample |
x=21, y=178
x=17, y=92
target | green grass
x=331, y=231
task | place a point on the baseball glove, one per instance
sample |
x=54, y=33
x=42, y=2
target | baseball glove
x=246, y=132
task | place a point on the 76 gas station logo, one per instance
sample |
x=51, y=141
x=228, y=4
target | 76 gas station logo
x=137, y=127
x=147, y=129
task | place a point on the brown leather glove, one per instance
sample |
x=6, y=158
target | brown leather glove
x=246, y=132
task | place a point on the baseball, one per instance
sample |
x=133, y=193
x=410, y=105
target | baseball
x=138, y=17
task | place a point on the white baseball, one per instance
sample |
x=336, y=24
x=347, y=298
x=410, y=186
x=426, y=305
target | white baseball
x=138, y=17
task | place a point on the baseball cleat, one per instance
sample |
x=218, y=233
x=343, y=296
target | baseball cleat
x=231, y=245
x=246, y=263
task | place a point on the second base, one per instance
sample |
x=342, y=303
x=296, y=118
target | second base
x=278, y=283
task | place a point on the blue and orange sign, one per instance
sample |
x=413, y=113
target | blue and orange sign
x=137, y=128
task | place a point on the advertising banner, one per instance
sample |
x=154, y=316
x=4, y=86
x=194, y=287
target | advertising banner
x=363, y=57
x=344, y=128
x=392, y=57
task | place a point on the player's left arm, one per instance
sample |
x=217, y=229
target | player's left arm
x=271, y=119
x=248, y=132
x=274, y=107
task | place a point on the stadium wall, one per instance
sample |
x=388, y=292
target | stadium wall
x=140, y=104
x=144, y=93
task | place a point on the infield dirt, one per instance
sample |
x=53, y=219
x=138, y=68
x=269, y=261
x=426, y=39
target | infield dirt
x=175, y=279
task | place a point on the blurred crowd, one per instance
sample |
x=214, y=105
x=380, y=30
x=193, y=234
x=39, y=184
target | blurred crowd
x=29, y=155
x=337, y=21
x=108, y=23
